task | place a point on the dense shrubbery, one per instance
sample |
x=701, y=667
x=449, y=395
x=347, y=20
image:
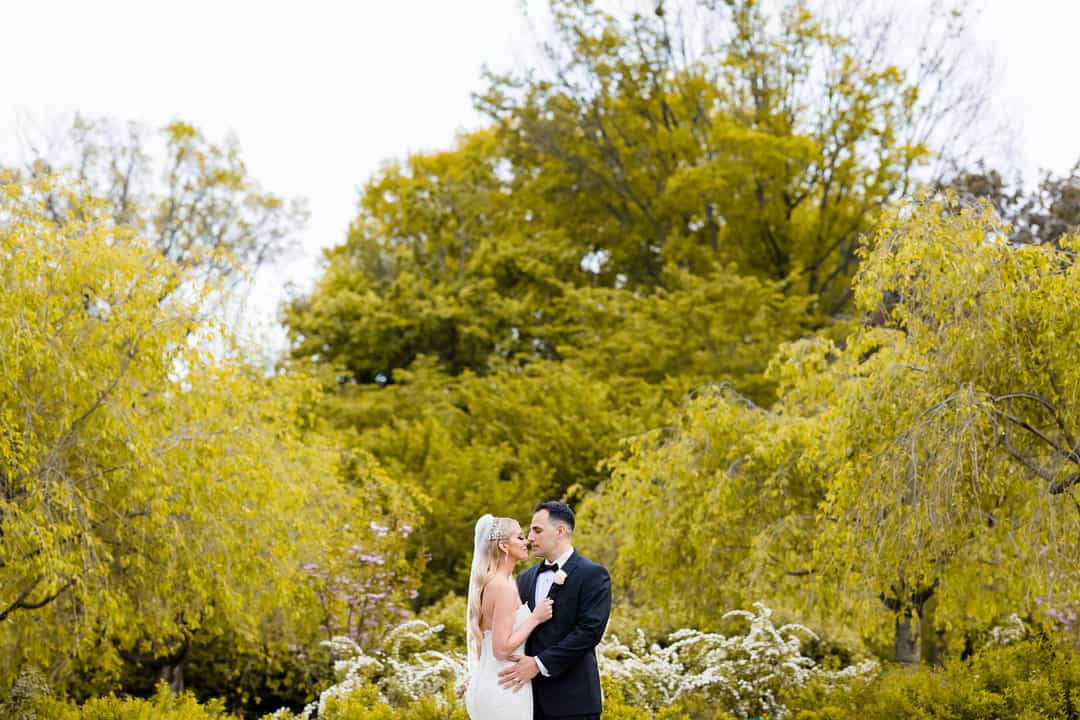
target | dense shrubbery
x=164, y=705
x=745, y=673
x=760, y=672
x=1035, y=678
x=687, y=674
x=365, y=702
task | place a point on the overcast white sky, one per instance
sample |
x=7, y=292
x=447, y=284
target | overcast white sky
x=320, y=93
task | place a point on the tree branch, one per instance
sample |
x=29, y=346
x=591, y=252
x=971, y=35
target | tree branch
x=21, y=602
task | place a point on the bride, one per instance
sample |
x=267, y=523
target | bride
x=497, y=622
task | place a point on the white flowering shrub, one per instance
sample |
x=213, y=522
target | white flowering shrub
x=742, y=674
x=401, y=670
x=30, y=686
x=1011, y=632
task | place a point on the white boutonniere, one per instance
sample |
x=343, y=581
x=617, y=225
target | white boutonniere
x=560, y=577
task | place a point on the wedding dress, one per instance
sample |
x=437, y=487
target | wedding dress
x=484, y=699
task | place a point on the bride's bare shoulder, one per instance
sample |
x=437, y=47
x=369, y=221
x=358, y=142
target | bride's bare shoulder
x=501, y=587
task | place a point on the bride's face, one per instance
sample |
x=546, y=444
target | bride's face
x=516, y=545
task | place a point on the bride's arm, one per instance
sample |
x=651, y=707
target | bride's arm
x=504, y=639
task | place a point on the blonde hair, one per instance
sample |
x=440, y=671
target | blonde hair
x=485, y=564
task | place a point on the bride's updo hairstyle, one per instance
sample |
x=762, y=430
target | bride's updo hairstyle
x=490, y=531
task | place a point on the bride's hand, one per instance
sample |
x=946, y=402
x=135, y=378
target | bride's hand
x=543, y=611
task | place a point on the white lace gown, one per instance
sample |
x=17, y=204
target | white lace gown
x=484, y=699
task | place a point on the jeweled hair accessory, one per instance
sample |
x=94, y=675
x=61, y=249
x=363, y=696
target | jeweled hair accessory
x=494, y=533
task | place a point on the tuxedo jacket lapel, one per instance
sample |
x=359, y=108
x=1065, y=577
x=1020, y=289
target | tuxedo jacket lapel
x=530, y=587
x=571, y=563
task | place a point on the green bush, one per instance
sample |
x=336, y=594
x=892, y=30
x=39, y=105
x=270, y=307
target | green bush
x=450, y=613
x=1032, y=679
x=615, y=707
x=365, y=702
x=162, y=706
x=691, y=707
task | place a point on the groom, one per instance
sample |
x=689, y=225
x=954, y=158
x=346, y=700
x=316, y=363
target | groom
x=561, y=660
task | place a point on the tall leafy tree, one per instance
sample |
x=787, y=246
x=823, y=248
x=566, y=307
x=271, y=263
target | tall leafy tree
x=477, y=358
x=917, y=476
x=155, y=491
x=768, y=135
x=193, y=199
x=960, y=464
x=651, y=213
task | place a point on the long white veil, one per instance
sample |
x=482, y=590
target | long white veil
x=481, y=537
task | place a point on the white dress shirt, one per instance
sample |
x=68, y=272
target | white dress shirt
x=543, y=587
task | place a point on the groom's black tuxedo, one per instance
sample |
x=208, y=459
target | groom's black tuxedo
x=566, y=644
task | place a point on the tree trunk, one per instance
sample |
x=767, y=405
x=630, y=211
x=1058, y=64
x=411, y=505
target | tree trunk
x=173, y=674
x=933, y=640
x=906, y=642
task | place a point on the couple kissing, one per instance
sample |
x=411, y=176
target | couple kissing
x=532, y=640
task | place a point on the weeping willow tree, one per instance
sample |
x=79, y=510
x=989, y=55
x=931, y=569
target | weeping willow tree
x=157, y=493
x=918, y=477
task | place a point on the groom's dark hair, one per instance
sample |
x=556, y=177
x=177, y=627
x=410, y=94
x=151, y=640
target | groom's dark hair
x=557, y=511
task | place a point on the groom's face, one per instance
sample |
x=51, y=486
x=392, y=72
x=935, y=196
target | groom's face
x=543, y=535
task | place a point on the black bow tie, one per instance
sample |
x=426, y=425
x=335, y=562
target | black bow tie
x=545, y=567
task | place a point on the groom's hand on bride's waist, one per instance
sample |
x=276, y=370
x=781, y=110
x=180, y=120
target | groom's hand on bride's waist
x=522, y=671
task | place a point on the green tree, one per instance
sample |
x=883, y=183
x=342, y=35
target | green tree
x=916, y=477
x=193, y=199
x=477, y=359
x=718, y=508
x=957, y=464
x=440, y=263
x=155, y=490
x=769, y=136
x=636, y=224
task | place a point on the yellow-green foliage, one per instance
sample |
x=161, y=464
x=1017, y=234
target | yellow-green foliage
x=715, y=508
x=501, y=318
x=196, y=203
x=950, y=440
x=716, y=153
x=503, y=312
x=362, y=704
x=1035, y=679
x=365, y=703
x=930, y=454
x=449, y=612
x=156, y=491
x=163, y=706
x=616, y=707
